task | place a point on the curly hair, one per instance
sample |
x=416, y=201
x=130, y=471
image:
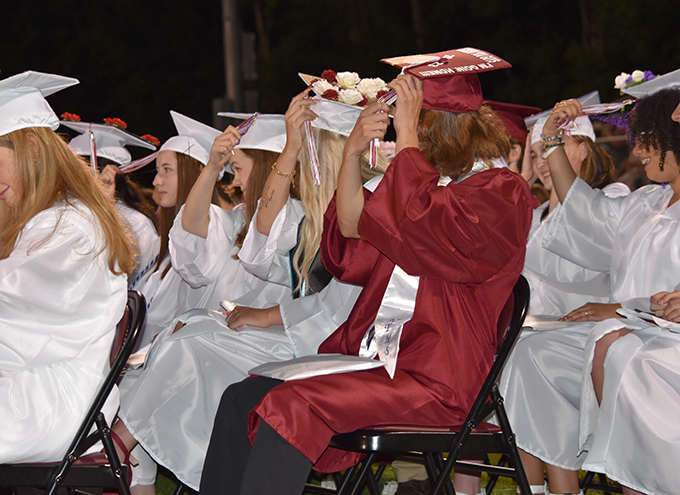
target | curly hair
x=651, y=125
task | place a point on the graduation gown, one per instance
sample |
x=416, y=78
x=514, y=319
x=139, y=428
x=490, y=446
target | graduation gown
x=148, y=244
x=466, y=243
x=59, y=306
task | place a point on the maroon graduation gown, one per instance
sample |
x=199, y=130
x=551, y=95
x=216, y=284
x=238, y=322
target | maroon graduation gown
x=466, y=242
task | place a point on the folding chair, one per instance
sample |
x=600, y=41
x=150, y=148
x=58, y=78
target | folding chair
x=428, y=444
x=603, y=484
x=94, y=470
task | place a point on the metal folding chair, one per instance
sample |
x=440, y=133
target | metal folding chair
x=94, y=470
x=440, y=447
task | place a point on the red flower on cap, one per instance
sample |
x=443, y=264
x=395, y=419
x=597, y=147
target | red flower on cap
x=70, y=116
x=363, y=102
x=330, y=94
x=115, y=122
x=330, y=76
x=151, y=139
x=381, y=93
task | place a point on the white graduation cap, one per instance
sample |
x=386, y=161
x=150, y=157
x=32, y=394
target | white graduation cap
x=22, y=100
x=592, y=98
x=194, y=138
x=110, y=141
x=260, y=131
x=667, y=81
x=580, y=126
x=335, y=116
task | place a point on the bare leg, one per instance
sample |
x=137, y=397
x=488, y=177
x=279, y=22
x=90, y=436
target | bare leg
x=128, y=440
x=143, y=490
x=630, y=491
x=533, y=466
x=562, y=480
x=601, y=348
x=465, y=483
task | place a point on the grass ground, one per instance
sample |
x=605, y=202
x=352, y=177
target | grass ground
x=166, y=483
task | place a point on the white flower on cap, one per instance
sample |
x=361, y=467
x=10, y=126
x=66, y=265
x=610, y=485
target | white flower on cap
x=348, y=80
x=110, y=140
x=350, y=96
x=195, y=139
x=370, y=87
x=321, y=86
x=22, y=100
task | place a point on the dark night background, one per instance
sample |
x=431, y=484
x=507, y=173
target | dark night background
x=137, y=60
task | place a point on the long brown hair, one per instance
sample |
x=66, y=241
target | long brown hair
x=598, y=167
x=188, y=170
x=49, y=172
x=262, y=165
x=452, y=142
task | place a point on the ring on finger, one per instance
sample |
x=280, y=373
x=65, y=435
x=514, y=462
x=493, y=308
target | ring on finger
x=586, y=312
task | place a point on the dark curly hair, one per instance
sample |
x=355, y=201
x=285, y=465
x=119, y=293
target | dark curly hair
x=651, y=125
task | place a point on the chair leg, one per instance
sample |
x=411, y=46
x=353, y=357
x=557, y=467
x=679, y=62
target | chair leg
x=110, y=449
x=509, y=437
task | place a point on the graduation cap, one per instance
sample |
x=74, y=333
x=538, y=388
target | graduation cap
x=667, y=81
x=450, y=81
x=110, y=141
x=513, y=117
x=588, y=99
x=194, y=139
x=22, y=100
x=260, y=131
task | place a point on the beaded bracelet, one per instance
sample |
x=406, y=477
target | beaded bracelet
x=548, y=149
x=556, y=137
x=284, y=174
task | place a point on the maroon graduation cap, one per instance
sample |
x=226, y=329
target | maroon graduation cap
x=450, y=81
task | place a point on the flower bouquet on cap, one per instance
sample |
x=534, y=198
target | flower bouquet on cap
x=346, y=87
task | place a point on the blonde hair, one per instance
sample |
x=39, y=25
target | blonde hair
x=47, y=172
x=315, y=199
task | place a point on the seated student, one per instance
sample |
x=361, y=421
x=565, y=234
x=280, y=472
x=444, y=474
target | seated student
x=296, y=226
x=179, y=163
x=543, y=391
x=64, y=260
x=197, y=355
x=456, y=229
x=131, y=203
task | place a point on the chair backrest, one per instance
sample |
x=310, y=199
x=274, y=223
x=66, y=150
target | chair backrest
x=508, y=330
x=127, y=331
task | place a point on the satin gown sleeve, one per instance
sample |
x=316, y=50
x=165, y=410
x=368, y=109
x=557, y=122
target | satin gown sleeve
x=148, y=244
x=201, y=261
x=584, y=227
x=266, y=256
x=431, y=231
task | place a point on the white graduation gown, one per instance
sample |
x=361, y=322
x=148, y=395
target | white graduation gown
x=624, y=235
x=148, y=243
x=186, y=372
x=59, y=306
x=307, y=320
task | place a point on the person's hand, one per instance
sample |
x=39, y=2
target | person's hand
x=407, y=107
x=107, y=180
x=372, y=123
x=223, y=148
x=666, y=305
x=299, y=111
x=563, y=110
x=593, y=312
x=527, y=170
x=260, y=318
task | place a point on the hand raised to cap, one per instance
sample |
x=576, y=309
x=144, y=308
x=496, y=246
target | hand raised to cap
x=298, y=113
x=223, y=148
x=563, y=110
x=371, y=124
x=407, y=109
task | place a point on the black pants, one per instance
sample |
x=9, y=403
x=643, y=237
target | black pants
x=233, y=467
